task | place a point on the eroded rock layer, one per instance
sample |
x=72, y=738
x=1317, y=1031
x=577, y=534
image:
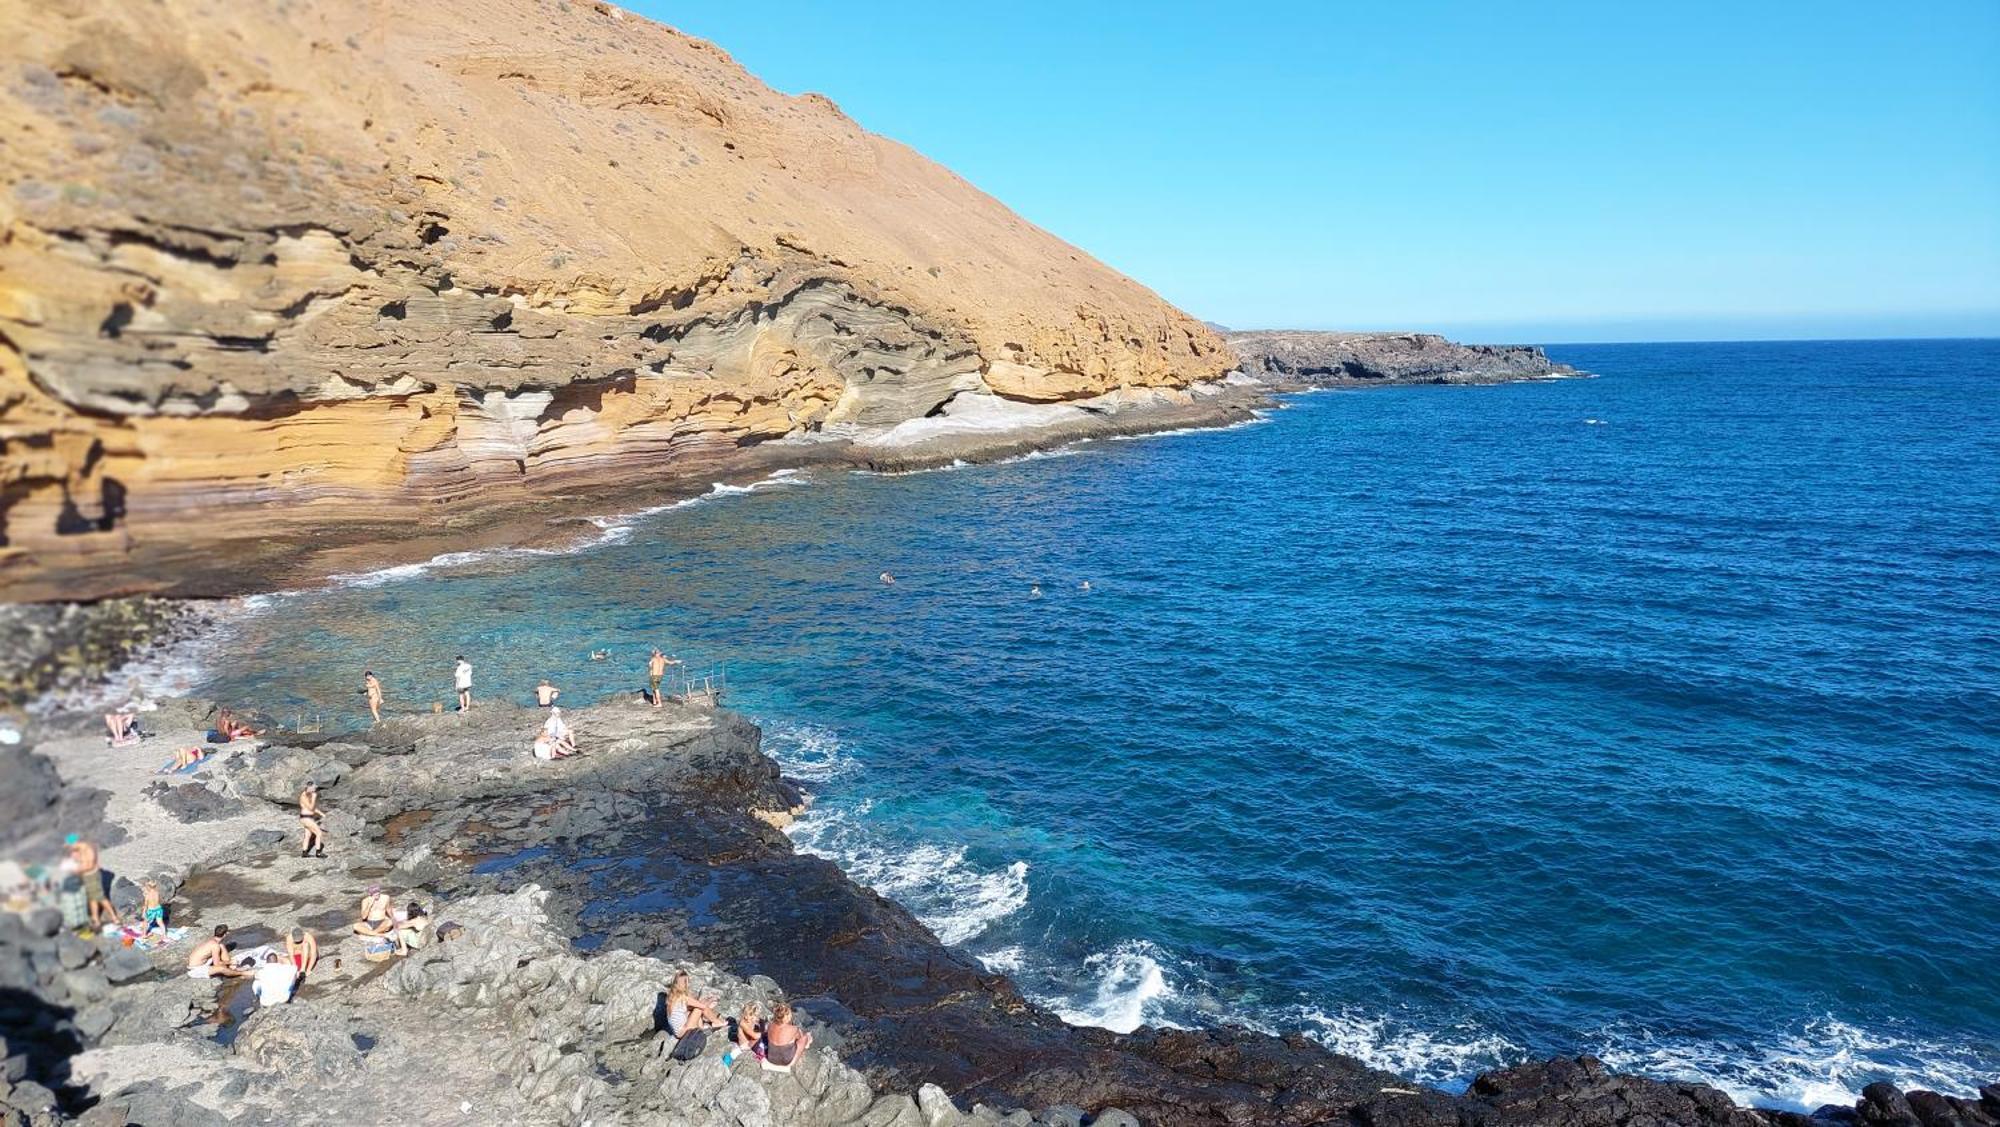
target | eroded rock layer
x=284, y=276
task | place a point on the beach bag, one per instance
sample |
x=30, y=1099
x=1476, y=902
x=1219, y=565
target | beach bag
x=691, y=1045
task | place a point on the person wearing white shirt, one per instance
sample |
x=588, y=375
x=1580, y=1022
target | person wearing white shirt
x=462, y=677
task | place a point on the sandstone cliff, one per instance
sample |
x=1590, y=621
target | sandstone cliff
x=1321, y=359
x=281, y=277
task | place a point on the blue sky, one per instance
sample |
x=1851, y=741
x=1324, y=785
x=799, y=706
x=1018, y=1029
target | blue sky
x=1539, y=172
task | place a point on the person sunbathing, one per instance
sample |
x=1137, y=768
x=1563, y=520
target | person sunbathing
x=303, y=949
x=377, y=914
x=186, y=757
x=124, y=728
x=229, y=728
x=210, y=958
x=784, y=1041
x=683, y=1007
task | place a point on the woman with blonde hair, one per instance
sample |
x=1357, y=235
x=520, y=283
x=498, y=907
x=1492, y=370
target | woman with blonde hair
x=683, y=1005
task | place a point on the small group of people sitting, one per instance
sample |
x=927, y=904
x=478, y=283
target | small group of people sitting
x=388, y=930
x=274, y=975
x=778, y=1043
x=556, y=740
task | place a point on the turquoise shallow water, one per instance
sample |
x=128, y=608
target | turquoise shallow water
x=1655, y=715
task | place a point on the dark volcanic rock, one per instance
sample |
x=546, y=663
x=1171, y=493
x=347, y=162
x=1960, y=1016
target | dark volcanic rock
x=192, y=802
x=1354, y=359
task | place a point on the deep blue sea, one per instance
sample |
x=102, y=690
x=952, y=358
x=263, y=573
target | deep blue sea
x=1655, y=715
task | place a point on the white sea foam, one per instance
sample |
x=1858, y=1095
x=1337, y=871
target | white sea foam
x=953, y=897
x=1827, y=1061
x=1431, y=1056
x=1004, y=960
x=808, y=752
x=1130, y=983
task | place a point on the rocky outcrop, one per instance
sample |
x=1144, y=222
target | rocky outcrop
x=574, y=890
x=1312, y=359
x=327, y=267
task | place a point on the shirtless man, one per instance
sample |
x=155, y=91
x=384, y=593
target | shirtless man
x=546, y=694
x=656, y=669
x=210, y=958
x=84, y=856
x=303, y=949
x=374, y=686
x=377, y=913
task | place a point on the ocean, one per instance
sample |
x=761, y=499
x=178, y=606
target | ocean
x=1655, y=715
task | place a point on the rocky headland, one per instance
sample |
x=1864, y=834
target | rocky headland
x=1291, y=359
x=578, y=888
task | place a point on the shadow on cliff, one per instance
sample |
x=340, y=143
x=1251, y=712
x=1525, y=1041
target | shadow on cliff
x=40, y=1041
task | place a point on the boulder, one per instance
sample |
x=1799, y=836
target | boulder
x=84, y=985
x=31, y=1097
x=1114, y=1117
x=1883, y=1105
x=936, y=1107
x=278, y=774
x=1061, y=1115
x=73, y=952
x=96, y=1020
x=125, y=964
x=44, y=922
x=299, y=1040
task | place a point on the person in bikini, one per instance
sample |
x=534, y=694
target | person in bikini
x=377, y=914
x=186, y=757
x=784, y=1041
x=229, y=728
x=303, y=949
x=210, y=958
x=373, y=685
x=312, y=821
x=415, y=930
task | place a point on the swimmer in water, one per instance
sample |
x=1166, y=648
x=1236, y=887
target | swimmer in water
x=887, y=578
x=1035, y=592
x=1083, y=586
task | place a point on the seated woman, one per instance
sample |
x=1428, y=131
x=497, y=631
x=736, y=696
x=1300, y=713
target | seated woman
x=685, y=1011
x=303, y=948
x=784, y=1041
x=377, y=914
x=415, y=929
x=124, y=728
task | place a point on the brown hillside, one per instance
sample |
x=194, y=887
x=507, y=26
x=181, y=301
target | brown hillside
x=283, y=274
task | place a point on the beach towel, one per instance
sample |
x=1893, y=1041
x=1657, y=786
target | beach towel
x=134, y=936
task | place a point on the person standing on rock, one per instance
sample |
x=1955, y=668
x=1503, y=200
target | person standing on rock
x=656, y=671
x=312, y=819
x=546, y=694
x=462, y=677
x=83, y=855
x=374, y=686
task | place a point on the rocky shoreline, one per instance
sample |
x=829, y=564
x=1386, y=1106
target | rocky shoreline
x=580, y=887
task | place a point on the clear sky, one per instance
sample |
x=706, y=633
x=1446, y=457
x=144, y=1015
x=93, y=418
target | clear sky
x=1533, y=171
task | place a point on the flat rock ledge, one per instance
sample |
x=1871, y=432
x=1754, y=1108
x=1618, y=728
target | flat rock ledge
x=578, y=890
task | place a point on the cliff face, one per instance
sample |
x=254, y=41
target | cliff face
x=279, y=276
x=1316, y=359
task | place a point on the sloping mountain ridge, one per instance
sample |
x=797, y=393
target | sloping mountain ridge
x=281, y=279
